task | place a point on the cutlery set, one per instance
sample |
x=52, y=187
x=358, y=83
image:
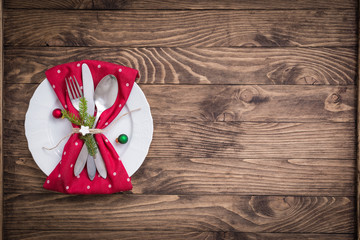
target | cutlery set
x=101, y=99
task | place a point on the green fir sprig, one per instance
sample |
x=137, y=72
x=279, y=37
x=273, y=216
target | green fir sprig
x=71, y=117
x=84, y=119
x=90, y=143
x=82, y=109
x=87, y=120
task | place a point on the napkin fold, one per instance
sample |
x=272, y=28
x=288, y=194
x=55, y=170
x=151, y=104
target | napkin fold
x=62, y=178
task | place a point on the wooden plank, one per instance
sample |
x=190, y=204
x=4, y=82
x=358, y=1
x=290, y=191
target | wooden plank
x=358, y=135
x=185, y=4
x=334, y=66
x=141, y=28
x=199, y=176
x=226, y=103
x=1, y=120
x=252, y=140
x=252, y=103
x=165, y=235
x=180, y=213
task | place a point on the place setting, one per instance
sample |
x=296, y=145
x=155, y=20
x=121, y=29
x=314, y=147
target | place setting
x=89, y=127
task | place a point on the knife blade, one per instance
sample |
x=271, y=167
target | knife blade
x=88, y=89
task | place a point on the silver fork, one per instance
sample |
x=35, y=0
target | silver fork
x=75, y=93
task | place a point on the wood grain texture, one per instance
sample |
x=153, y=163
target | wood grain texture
x=226, y=103
x=230, y=140
x=215, y=176
x=180, y=213
x=358, y=136
x=1, y=120
x=306, y=28
x=244, y=147
x=312, y=66
x=173, y=4
x=165, y=235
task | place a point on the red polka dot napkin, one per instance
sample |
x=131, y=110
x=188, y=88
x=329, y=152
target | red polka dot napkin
x=62, y=178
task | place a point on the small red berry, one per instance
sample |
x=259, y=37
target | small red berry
x=57, y=113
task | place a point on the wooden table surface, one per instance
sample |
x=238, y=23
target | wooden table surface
x=254, y=106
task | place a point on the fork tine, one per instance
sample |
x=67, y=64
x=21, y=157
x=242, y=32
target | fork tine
x=74, y=88
x=68, y=89
x=78, y=87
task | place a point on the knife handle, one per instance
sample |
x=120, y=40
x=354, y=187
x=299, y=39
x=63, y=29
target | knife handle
x=91, y=169
x=100, y=165
x=81, y=160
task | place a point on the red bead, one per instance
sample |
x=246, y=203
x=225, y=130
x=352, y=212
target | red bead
x=57, y=113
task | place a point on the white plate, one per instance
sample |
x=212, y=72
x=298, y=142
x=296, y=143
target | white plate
x=43, y=130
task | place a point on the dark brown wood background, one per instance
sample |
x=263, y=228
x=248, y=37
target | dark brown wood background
x=254, y=107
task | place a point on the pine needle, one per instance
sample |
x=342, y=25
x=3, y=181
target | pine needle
x=83, y=110
x=71, y=117
x=91, y=121
x=90, y=144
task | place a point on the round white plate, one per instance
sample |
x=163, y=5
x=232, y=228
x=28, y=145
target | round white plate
x=43, y=130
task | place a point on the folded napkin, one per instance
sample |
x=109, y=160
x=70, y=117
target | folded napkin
x=62, y=178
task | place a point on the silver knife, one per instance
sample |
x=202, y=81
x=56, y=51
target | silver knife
x=88, y=89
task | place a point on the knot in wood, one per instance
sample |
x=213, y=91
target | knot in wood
x=247, y=95
x=335, y=98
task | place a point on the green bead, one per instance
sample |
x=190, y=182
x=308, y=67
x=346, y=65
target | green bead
x=123, y=138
